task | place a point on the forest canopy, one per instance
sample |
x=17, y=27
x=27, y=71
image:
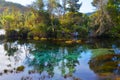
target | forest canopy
x=60, y=19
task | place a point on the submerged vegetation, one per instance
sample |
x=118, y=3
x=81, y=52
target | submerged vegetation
x=20, y=68
x=56, y=20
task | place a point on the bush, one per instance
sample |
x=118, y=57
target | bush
x=23, y=33
x=12, y=34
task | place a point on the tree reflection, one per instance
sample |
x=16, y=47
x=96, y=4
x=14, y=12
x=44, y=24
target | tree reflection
x=108, y=63
x=18, y=52
x=51, y=57
x=11, y=48
x=47, y=56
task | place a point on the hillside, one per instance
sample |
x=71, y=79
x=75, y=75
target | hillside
x=10, y=5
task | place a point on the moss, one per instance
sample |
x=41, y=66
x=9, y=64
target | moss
x=36, y=38
x=42, y=39
x=79, y=41
x=69, y=42
x=20, y=68
x=101, y=51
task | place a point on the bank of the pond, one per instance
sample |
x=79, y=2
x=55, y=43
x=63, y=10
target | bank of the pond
x=74, y=35
x=71, y=39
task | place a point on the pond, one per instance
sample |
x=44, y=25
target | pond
x=50, y=60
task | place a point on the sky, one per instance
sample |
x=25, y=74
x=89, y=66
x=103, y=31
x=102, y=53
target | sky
x=85, y=8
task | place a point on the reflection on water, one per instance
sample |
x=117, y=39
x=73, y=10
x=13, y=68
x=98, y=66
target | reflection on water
x=106, y=66
x=51, y=61
x=82, y=69
x=116, y=50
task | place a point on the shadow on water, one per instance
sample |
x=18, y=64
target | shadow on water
x=47, y=60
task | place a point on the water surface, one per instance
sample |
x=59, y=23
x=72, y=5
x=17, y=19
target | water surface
x=49, y=60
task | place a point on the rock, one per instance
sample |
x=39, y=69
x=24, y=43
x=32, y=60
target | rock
x=20, y=68
x=5, y=71
x=78, y=41
x=36, y=38
x=69, y=42
x=42, y=39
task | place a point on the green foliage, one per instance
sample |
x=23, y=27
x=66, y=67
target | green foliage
x=16, y=23
x=113, y=10
x=44, y=23
x=23, y=33
x=56, y=22
x=106, y=19
x=73, y=5
x=74, y=21
x=11, y=20
x=12, y=34
x=38, y=5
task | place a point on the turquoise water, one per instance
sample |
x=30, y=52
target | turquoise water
x=50, y=60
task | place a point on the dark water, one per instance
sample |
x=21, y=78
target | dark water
x=50, y=60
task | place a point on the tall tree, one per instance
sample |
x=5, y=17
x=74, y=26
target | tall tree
x=73, y=5
x=64, y=3
x=54, y=6
x=38, y=4
x=102, y=19
x=113, y=9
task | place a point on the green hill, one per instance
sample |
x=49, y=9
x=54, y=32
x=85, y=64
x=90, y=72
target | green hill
x=4, y=4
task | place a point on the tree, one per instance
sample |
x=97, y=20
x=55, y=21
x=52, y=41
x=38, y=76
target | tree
x=64, y=3
x=16, y=23
x=74, y=21
x=42, y=23
x=113, y=9
x=38, y=4
x=73, y=5
x=102, y=20
x=10, y=20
